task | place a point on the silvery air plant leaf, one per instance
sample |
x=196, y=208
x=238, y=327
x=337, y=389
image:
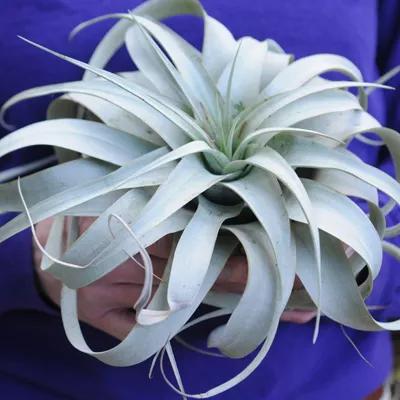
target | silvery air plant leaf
x=210, y=146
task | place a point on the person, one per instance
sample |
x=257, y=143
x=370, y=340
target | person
x=37, y=362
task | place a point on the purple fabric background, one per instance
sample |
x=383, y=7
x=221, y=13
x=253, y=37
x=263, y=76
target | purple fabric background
x=37, y=362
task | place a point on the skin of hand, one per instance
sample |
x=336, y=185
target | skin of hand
x=107, y=304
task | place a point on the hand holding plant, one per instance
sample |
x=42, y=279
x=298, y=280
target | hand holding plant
x=107, y=304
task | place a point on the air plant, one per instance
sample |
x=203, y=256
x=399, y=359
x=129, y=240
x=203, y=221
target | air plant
x=236, y=145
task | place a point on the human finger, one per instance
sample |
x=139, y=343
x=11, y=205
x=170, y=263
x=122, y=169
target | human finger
x=117, y=322
x=125, y=295
x=131, y=272
x=234, y=273
x=161, y=248
x=298, y=316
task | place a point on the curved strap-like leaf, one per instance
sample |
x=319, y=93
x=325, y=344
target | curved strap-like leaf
x=219, y=47
x=194, y=251
x=46, y=183
x=341, y=299
x=274, y=63
x=303, y=153
x=169, y=110
x=240, y=376
x=91, y=138
x=152, y=63
x=158, y=9
x=348, y=125
x=54, y=243
x=258, y=311
x=227, y=301
x=341, y=218
x=116, y=180
x=349, y=185
x=341, y=125
x=188, y=180
x=170, y=197
x=312, y=106
x=97, y=205
x=106, y=253
x=77, y=194
x=97, y=236
x=188, y=63
x=246, y=74
x=264, y=135
x=21, y=170
x=167, y=130
x=391, y=139
x=143, y=341
x=262, y=193
x=272, y=162
x=110, y=114
x=274, y=104
x=391, y=249
x=94, y=207
x=303, y=70
x=187, y=98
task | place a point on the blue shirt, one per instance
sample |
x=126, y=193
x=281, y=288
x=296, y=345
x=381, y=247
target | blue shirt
x=36, y=360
